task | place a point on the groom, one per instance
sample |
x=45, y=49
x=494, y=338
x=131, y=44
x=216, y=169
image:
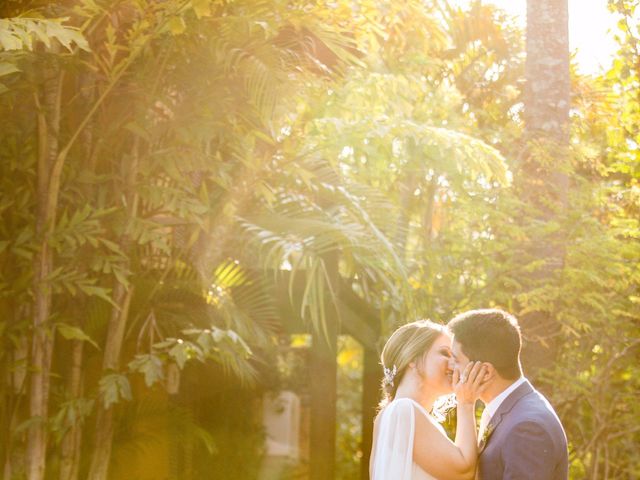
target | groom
x=520, y=434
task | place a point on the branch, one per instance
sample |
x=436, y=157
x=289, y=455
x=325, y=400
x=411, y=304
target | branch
x=56, y=171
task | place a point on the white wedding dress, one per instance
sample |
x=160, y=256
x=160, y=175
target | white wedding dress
x=393, y=455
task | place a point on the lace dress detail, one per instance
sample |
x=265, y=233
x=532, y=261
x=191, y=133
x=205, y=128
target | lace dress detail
x=393, y=456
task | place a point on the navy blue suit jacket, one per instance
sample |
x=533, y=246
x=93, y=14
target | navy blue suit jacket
x=526, y=440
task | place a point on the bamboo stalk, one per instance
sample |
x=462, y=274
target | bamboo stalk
x=104, y=421
x=113, y=345
x=70, y=447
x=43, y=334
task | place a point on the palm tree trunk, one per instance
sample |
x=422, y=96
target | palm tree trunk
x=544, y=183
x=547, y=96
x=547, y=86
x=43, y=333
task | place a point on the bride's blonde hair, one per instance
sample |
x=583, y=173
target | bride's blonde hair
x=409, y=343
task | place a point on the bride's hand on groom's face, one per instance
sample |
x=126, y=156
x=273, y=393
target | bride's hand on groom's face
x=469, y=384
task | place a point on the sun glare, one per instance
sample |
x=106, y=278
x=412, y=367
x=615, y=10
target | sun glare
x=591, y=30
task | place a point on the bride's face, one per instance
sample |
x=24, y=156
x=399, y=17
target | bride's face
x=436, y=369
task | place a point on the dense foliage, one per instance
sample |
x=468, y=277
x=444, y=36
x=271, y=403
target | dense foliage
x=168, y=168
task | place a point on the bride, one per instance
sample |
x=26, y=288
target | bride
x=408, y=442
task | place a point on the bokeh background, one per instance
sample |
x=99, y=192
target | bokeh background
x=214, y=212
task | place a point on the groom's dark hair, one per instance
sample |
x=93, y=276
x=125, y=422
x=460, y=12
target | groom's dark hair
x=490, y=335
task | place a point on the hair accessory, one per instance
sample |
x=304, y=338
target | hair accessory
x=389, y=375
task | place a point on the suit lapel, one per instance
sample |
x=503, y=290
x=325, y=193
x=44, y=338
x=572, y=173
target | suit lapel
x=505, y=407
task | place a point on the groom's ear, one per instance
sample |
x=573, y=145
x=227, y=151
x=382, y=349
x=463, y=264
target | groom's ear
x=491, y=372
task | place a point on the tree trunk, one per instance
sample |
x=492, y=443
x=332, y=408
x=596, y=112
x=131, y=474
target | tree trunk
x=547, y=87
x=70, y=448
x=323, y=389
x=115, y=335
x=371, y=379
x=544, y=180
x=323, y=371
x=43, y=333
x=15, y=390
x=104, y=421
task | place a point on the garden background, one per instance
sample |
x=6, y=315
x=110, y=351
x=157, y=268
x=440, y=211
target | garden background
x=191, y=191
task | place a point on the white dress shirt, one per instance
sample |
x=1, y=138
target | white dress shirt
x=492, y=407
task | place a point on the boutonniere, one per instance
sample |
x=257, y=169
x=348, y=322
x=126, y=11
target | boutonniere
x=485, y=435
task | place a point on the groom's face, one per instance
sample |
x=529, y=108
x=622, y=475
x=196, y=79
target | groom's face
x=458, y=359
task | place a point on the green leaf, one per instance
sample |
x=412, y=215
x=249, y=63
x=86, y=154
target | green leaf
x=235, y=338
x=7, y=68
x=150, y=365
x=100, y=292
x=17, y=33
x=138, y=130
x=207, y=439
x=176, y=25
x=114, y=247
x=180, y=353
x=39, y=30
x=202, y=8
x=8, y=40
x=26, y=425
x=74, y=333
x=113, y=388
x=121, y=276
x=64, y=35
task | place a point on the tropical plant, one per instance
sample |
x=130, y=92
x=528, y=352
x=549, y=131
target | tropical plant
x=180, y=179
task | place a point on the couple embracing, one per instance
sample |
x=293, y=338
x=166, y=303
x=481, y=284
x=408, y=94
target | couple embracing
x=477, y=356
